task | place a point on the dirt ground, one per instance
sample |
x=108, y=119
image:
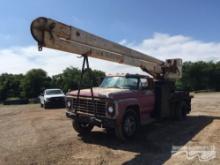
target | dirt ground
x=31, y=135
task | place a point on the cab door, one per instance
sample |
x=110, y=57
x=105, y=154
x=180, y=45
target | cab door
x=146, y=99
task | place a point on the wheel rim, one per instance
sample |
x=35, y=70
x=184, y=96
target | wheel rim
x=130, y=125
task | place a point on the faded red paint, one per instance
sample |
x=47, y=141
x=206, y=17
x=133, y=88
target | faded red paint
x=125, y=98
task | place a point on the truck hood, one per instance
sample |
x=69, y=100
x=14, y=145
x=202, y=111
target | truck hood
x=102, y=92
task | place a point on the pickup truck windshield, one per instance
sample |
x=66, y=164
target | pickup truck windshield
x=120, y=82
x=53, y=92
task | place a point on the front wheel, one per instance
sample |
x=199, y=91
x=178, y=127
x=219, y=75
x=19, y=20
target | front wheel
x=128, y=128
x=82, y=128
x=110, y=131
x=45, y=105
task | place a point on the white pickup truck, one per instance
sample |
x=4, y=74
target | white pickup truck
x=51, y=98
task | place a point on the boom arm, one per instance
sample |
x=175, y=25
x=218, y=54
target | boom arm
x=52, y=34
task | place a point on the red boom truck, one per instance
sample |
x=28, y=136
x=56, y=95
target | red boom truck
x=122, y=102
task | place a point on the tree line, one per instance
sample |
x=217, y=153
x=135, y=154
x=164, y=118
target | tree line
x=200, y=76
x=196, y=76
x=35, y=81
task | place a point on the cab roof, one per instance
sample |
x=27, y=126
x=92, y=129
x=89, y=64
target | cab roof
x=127, y=75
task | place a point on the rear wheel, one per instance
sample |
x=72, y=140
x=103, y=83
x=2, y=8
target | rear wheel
x=181, y=111
x=128, y=128
x=82, y=128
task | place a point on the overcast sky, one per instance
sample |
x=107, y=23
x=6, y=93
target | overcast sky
x=186, y=29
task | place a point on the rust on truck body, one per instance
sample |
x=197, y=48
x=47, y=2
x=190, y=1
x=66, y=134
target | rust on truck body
x=143, y=100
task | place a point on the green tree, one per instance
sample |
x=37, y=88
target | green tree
x=10, y=85
x=215, y=79
x=34, y=82
x=92, y=78
x=200, y=76
x=66, y=80
x=70, y=78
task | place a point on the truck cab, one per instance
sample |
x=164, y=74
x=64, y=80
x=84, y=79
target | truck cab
x=124, y=100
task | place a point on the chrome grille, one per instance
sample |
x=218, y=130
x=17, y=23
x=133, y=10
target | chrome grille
x=87, y=105
x=56, y=99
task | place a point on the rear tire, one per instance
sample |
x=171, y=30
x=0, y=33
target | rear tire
x=129, y=126
x=181, y=111
x=82, y=128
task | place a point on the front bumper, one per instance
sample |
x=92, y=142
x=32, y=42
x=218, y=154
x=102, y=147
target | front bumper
x=55, y=102
x=98, y=121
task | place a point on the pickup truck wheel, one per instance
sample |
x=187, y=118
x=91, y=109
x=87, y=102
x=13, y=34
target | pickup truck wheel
x=45, y=106
x=128, y=127
x=82, y=128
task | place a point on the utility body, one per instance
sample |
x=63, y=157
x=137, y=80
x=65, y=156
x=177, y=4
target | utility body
x=122, y=102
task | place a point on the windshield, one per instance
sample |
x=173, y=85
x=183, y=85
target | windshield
x=120, y=82
x=53, y=92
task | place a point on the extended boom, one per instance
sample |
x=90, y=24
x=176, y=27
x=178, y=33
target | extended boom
x=52, y=34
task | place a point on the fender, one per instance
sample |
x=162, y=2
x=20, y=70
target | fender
x=122, y=105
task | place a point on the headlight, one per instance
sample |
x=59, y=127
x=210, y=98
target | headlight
x=111, y=110
x=68, y=104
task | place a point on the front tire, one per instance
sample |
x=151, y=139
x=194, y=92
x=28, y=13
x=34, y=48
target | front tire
x=82, y=128
x=110, y=131
x=128, y=128
x=45, y=106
